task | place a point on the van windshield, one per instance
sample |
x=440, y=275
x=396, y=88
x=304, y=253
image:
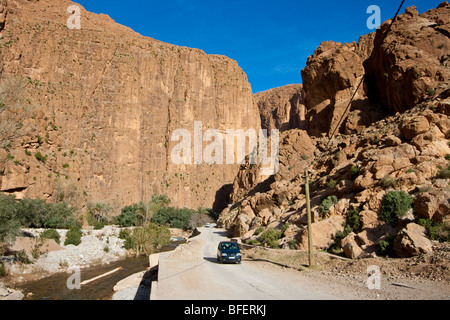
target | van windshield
x=229, y=246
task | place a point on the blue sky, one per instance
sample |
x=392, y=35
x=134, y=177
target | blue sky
x=270, y=39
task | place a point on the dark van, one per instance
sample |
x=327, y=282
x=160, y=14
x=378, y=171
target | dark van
x=228, y=252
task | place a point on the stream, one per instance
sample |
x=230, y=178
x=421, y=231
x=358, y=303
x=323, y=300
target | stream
x=55, y=286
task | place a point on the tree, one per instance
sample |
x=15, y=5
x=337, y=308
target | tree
x=15, y=108
x=9, y=224
x=146, y=211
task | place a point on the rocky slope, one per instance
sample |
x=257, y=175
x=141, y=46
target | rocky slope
x=108, y=102
x=373, y=152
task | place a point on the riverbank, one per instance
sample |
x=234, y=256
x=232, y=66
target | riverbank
x=97, y=248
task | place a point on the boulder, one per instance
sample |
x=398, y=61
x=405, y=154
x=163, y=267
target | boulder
x=411, y=127
x=368, y=218
x=323, y=233
x=412, y=241
x=351, y=248
x=433, y=205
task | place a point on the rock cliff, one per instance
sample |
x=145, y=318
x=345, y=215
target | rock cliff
x=282, y=108
x=372, y=154
x=109, y=100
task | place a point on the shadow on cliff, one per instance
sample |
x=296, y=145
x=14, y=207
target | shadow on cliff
x=222, y=198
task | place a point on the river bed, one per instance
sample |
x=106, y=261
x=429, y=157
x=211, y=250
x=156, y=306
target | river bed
x=55, y=287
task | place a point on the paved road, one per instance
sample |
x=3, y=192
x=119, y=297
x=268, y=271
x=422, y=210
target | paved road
x=193, y=273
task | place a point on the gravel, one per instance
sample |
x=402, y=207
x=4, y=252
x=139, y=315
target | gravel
x=97, y=247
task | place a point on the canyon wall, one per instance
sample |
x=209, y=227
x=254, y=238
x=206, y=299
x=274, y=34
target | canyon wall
x=108, y=101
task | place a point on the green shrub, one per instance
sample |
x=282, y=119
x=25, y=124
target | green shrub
x=51, y=234
x=140, y=213
x=271, y=237
x=353, y=219
x=386, y=246
x=173, y=217
x=40, y=157
x=57, y=216
x=3, y=271
x=210, y=212
x=436, y=231
x=128, y=216
x=336, y=246
x=332, y=184
x=9, y=223
x=125, y=234
x=73, y=236
x=326, y=204
x=395, y=205
x=259, y=230
x=285, y=227
x=35, y=213
x=444, y=173
x=354, y=171
x=147, y=239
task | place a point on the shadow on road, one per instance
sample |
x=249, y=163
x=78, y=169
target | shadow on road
x=222, y=233
x=143, y=292
x=211, y=259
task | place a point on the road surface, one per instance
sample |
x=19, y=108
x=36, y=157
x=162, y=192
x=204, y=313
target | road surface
x=192, y=272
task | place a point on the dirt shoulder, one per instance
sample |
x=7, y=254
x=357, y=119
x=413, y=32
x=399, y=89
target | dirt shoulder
x=425, y=277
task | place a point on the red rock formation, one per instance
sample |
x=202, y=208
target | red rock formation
x=110, y=100
x=330, y=79
x=413, y=63
x=282, y=108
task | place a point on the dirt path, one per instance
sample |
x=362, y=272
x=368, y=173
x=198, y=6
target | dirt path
x=192, y=272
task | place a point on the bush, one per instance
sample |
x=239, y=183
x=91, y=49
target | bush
x=147, y=239
x=386, y=246
x=271, y=237
x=336, y=246
x=3, y=271
x=210, y=212
x=97, y=214
x=128, y=217
x=9, y=224
x=173, y=217
x=436, y=231
x=259, y=230
x=354, y=171
x=40, y=157
x=395, y=205
x=51, y=234
x=35, y=213
x=57, y=216
x=73, y=236
x=353, y=219
x=332, y=184
x=327, y=203
x=444, y=173
x=141, y=213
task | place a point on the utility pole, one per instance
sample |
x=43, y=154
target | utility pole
x=308, y=210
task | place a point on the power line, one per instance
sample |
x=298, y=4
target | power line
x=376, y=51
